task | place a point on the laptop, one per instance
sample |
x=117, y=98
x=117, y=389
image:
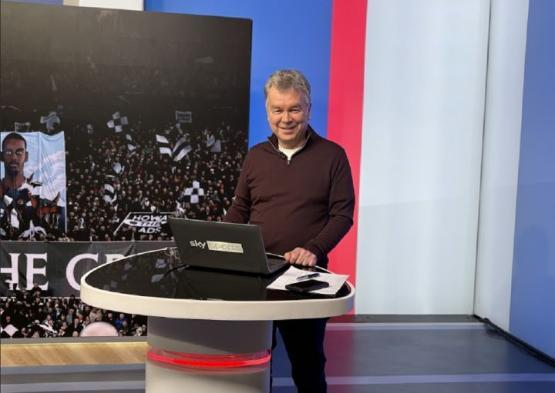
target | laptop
x=223, y=246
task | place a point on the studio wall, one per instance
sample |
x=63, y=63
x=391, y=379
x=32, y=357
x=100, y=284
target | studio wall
x=532, y=316
x=515, y=267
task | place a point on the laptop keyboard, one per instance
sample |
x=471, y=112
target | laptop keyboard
x=275, y=263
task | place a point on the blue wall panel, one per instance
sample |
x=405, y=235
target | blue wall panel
x=286, y=34
x=533, y=286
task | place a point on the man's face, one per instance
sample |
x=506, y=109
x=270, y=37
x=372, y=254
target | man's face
x=14, y=156
x=288, y=115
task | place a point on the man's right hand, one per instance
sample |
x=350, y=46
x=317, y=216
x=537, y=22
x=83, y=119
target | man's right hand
x=301, y=256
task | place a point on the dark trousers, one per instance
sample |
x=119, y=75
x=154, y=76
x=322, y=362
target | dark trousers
x=304, y=343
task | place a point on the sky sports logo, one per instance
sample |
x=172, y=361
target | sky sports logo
x=236, y=248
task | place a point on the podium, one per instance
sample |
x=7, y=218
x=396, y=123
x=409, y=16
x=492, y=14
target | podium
x=208, y=331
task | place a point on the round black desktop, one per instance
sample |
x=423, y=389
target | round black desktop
x=161, y=274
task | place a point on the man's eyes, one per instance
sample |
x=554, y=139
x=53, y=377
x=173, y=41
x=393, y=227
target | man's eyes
x=278, y=111
x=18, y=152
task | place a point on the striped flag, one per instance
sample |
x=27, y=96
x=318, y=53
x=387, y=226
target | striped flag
x=164, y=145
x=181, y=148
x=110, y=195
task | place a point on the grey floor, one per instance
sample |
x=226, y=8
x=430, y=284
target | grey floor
x=363, y=357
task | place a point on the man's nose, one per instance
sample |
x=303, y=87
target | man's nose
x=285, y=117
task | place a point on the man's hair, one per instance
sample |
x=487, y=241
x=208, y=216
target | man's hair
x=16, y=136
x=288, y=79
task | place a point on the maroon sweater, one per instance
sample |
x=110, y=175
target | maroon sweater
x=305, y=202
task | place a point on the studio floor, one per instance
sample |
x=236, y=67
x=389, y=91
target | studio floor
x=366, y=355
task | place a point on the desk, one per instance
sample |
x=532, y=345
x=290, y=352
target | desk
x=208, y=331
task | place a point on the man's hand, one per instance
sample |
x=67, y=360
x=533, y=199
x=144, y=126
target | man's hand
x=300, y=256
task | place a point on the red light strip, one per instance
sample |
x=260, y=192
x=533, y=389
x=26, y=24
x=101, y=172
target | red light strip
x=208, y=361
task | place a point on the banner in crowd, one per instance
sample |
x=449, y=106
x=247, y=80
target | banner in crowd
x=145, y=222
x=57, y=267
x=32, y=185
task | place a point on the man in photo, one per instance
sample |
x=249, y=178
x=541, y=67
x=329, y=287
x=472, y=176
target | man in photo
x=17, y=204
x=14, y=156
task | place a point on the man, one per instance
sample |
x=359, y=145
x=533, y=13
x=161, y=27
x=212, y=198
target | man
x=298, y=188
x=15, y=215
x=14, y=155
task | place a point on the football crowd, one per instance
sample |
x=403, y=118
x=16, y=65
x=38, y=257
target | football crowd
x=142, y=179
x=32, y=314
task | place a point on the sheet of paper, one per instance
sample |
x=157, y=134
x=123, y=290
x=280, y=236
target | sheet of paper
x=292, y=275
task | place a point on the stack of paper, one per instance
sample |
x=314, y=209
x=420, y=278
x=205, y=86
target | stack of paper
x=293, y=274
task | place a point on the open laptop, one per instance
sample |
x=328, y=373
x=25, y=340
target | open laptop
x=224, y=246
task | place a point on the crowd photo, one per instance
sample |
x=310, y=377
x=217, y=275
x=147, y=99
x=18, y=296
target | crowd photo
x=33, y=314
x=91, y=138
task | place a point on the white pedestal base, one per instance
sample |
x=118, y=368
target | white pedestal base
x=167, y=379
x=217, y=340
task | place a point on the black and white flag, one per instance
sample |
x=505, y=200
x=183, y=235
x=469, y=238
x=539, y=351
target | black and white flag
x=50, y=120
x=110, y=195
x=210, y=140
x=9, y=330
x=181, y=148
x=117, y=122
x=130, y=143
x=13, y=218
x=118, y=168
x=33, y=231
x=163, y=145
x=193, y=194
x=216, y=147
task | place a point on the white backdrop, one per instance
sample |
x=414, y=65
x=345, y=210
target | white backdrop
x=136, y=5
x=424, y=97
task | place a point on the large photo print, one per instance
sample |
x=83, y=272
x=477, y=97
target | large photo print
x=32, y=185
x=151, y=109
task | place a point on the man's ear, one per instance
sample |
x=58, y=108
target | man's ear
x=26, y=156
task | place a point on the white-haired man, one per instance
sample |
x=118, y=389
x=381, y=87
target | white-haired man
x=298, y=188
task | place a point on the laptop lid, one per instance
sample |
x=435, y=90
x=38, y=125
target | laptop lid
x=221, y=245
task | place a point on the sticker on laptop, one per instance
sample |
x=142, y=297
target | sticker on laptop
x=218, y=246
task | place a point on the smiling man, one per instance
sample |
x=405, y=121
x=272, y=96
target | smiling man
x=297, y=187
